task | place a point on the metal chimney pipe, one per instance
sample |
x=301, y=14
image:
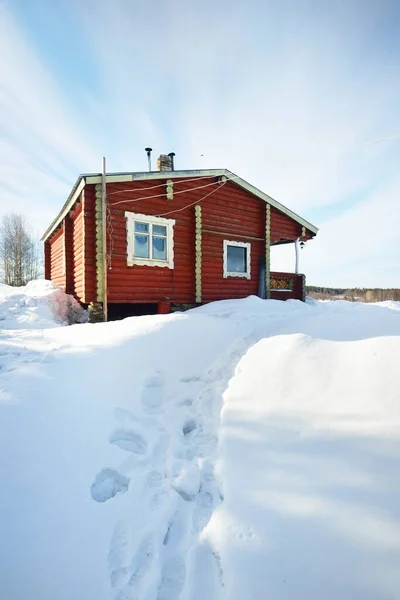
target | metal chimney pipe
x=171, y=155
x=148, y=152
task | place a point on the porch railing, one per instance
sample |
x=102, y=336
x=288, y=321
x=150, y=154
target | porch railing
x=285, y=286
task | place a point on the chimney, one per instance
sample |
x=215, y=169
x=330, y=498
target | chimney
x=165, y=162
x=171, y=155
x=148, y=152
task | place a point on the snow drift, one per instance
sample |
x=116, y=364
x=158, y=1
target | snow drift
x=245, y=449
x=39, y=304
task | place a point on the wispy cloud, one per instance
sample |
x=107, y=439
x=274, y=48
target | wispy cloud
x=289, y=95
x=42, y=148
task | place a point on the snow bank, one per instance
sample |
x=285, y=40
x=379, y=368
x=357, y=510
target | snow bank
x=245, y=449
x=38, y=305
x=309, y=456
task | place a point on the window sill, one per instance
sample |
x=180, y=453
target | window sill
x=242, y=275
x=146, y=262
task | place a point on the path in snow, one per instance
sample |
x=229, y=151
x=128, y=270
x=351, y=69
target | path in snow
x=181, y=489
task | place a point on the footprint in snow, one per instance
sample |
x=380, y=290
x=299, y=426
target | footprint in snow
x=117, y=555
x=152, y=395
x=190, y=379
x=203, y=509
x=138, y=569
x=129, y=441
x=185, y=479
x=124, y=416
x=158, y=490
x=107, y=484
x=173, y=579
x=186, y=402
x=189, y=426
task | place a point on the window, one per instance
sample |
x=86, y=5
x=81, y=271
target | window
x=237, y=259
x=150, y=240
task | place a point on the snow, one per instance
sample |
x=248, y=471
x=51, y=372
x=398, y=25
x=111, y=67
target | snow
x=40, y=304
x=245, y=449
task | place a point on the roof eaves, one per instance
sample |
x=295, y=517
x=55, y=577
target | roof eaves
x=256, y=192
x=94, y=178
x=76, y=190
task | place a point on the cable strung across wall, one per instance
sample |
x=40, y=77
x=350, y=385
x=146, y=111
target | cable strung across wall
x=152, y=187
x=197, y=201
x=192, y=189
x=192, y=203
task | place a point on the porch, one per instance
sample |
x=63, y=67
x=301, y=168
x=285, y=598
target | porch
x=286, y=286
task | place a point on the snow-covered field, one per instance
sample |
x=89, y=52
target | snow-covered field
x=244, y=450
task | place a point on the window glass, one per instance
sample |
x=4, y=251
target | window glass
x=159, y=230
x=141, y=245
x=236, y=259
x=159, y=248
x=141, y=227
x=150, y=240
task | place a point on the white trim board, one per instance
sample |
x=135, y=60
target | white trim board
x=247, y=246
x=131, y=217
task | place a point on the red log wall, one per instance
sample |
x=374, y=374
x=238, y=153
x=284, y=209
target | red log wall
x=77, y=252
x=237, y=216
x=57, y=265
x=68, y=253
x=151, y=284
x=283, y=227
x=230, y=212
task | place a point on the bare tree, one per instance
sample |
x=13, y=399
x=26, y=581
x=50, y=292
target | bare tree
x=19, y=251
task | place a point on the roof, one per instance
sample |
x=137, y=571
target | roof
x=93, y=178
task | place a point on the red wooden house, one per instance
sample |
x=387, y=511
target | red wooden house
x=144, y=241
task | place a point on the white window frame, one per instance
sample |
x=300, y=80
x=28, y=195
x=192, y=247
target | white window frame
x=247, y=245
x=150, y=220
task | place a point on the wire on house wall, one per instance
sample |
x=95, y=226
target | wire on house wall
x=163, y=194
x=109, y=225
x=191, y=189
x=110, y=231
x=152, y=187
x=192, y=203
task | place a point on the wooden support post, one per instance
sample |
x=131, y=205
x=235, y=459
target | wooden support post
x=99, y=244
x=268, y=252
x=104, y=231
x=198, y=253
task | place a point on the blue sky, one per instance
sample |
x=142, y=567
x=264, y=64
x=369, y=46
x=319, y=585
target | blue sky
x=289, y=94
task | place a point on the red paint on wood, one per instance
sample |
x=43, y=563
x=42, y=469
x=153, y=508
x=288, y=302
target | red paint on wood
x=69, y=257
x=77, y=253
x=230, y=213
x=57, y=268
x=145, y=283
x=47, y=260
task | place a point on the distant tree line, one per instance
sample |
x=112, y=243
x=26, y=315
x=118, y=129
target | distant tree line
x=353, y=294
x=20, y=256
